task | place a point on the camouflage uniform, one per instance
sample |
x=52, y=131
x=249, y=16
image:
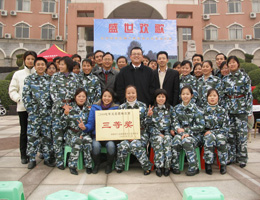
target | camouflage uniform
x=62, y=90
x=191, y=119
x=238, y=100
x=204, y=85
x=37, y=101
x=191, y=81
x=136, y=147
x=160, y=123
x=74, y=133
x=217, y=122
x=92, y=86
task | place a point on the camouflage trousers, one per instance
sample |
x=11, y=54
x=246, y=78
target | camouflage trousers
x=189, y=145
x=212, y=141
x=39, y=134
x=135, y=147
x=77, y=145
x=162, y=150
x=237, y=138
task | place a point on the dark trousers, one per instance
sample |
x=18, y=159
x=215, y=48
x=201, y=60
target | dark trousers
x=23, y=116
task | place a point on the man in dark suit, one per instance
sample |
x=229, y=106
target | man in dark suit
x=167, y=79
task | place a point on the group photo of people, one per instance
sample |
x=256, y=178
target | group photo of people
x=189, y=106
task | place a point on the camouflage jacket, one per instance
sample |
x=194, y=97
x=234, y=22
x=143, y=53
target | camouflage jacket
x=36, y=94
x=63, y=88
x=190, y=118
x=92, y=86
x=191, y=81
x=237, y=93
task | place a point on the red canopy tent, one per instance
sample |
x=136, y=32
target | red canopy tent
x=53, y=52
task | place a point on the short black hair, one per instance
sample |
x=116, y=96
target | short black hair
x=120, y=58
x=51, y=63
x=90, y=55
x=40, y=58
x=211, y=90
x=208, y=61
x=194, y=67
x=146, y=57
x=139, y=48
x=198, y=55
x=164, y=92
x=56, y=58
x=225, y=57
x=176, y=64
x=108, y=53
x=76, y=56
x=97, y=51
x=87, y=61
x=187, y=87
x=78, y=91
x=28, y=53
x=69, y=62
x=162, y=52
x=186, y=62
x=75, y=64
x=222, y=65
x=234, y=58
x=110, y=91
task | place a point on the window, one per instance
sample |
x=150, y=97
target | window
x=256, y=5
x=68, y=2
x=85, y=13
x=234, y=6
x=257, y=31
x=1, y=30
x=89, y=34
x=23, y=5
x=22, y=30
x=211, y=33
x=235, y=32
x=186, y=33
x=1, y=4
x=48, y=32
x=48, y=6
x=210, y=6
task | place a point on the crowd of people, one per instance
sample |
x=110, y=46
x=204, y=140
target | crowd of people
x=192, y=105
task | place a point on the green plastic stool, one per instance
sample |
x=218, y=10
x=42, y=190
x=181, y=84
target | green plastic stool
x=107, y=193
x=66, y=195
x=182, y=157
x=202, y=193
x=80, y=164
x=127, y=162
x=11, y=190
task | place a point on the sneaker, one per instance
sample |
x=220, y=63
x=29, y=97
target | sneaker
x=147, y=172
x=61, y=167
x=159, y=172
x=192, y=173
x=31, y=164
x=89, y=170
x=166, y=172
x=176, y=171
x=73, y=171
x=48, y=163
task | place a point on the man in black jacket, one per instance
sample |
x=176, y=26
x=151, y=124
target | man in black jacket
x=167, y=79
x=136, y=74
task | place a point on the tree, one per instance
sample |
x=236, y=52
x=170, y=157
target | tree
x=132, y=45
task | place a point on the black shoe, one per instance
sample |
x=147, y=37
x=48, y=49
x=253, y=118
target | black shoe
x=73, y=171
x=108, y=169
x=31, y=164
x=223, y=169
x=48, y=163
x=89, y=170
x=176, y=171
x=166, y=172
x=41, y=156
x=61, y=167
x=24, y=160
x=192, y=173
x=119, y=171
x=95, y=170
x=208, y=169
x=242, y=165
x=159, y=172
x=147, y=172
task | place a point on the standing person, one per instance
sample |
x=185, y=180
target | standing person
x=167, y=79
x=177, y=67
x=197, y=58
x=79, y=140
x=135, y=147
x=206, y=82
x=146, y=60
x=197, y=70
x=76, y=58
x=153, y=64
x=89, y=82
x=220, y=57
x=224, y=69
x=107, y=75
x=216, y=131
x=56, y=60
x=15, y=93
x=188, y=125
x=98, y=57
x=121, y=62
x=63, y=88
x=37, y=101
x=106, y=103
x=160, y=120
x=91, y=57
x=51, y=68
x=76, y=67
x=138, y=75
x=238, y=99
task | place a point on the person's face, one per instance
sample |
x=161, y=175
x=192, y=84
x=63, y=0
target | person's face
x=206, y=69
x=63, y=67
x=213, y=98
x=81, y=98
x=107, y=62
x=219, y=59
x=121, y=63
x=136, y=56
x=198, y=71
x=76, y=69
x=162, y=60
x=196, y=59
x=86, y=67
x=161, y=99
x=185, y=69
x=76, y=59
x=98, y=58
x=225, y=70
x=233, y=65
x=153, y=65
x=51, y=70
x=92, y=60
x=130, y=94
x=57, y=62
x=186, y=96
x=178, y=69
x=40, y=67
x=29, y=61
x=107, y=98
x=145, y=61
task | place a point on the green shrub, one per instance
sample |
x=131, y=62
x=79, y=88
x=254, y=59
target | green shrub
x=4, y=96
x=256, y=93
x=248, y=57
x=241, y=60
x=254, y=76
x=248, y=67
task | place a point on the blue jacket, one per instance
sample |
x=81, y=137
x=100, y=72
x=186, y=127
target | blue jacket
x=90, y=126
